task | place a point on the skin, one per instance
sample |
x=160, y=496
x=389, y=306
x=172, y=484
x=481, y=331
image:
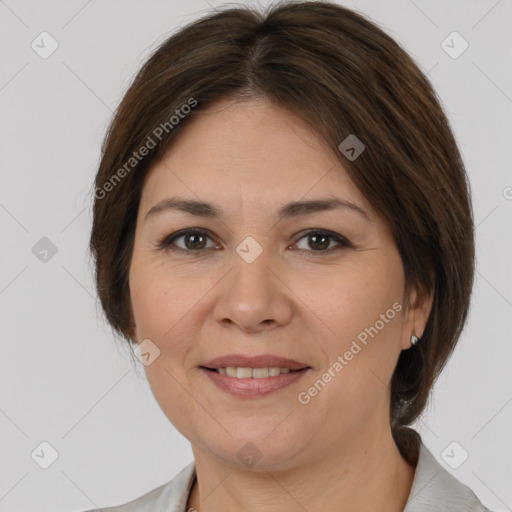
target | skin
x=298, y=299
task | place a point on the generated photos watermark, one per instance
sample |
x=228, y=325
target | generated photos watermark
x=341, y=361
x=158, y=133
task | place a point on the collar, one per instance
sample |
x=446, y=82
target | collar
x=434, y=489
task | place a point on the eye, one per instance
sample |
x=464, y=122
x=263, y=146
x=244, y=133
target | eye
x=319, y=240
x=194, y=240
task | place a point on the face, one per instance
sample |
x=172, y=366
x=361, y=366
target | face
x=320, y=286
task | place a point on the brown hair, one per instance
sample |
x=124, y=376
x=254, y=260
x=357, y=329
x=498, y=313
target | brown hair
x=344, y=75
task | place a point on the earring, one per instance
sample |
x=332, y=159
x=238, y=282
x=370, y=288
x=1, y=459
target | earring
x=414, y=338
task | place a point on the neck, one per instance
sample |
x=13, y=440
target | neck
x=368, y=474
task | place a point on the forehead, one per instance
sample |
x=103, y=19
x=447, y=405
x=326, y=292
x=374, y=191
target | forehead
x=254, y=150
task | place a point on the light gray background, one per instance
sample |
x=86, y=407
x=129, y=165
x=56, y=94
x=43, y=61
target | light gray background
x=64, y=379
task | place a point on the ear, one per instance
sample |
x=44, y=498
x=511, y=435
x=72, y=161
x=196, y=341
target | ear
x=416, y=316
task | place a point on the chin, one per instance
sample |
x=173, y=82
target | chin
x=259, y=449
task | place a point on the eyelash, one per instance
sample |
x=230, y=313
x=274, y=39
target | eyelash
x=166, y=242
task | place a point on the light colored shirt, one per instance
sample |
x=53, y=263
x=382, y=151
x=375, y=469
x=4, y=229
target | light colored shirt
x=433, y=489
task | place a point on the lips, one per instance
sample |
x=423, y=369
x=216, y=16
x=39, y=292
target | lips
x=235, y=374
x=261, y=361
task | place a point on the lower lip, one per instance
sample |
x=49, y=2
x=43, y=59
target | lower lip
x=251, y=386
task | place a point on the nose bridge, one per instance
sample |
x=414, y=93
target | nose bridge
x=252, y=297
x=251, y=280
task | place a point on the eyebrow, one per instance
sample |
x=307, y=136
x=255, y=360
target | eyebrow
x=289, y=210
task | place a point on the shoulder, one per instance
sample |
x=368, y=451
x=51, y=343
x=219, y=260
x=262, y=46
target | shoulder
x=171, y=496
x=434, y=489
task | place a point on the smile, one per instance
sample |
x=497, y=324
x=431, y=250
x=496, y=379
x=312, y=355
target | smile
x=252, y=382
x=255, y=373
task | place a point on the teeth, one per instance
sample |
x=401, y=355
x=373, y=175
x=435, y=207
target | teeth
x=256, y=373
x=243, y=373
x=259, y=373
x=273, y=371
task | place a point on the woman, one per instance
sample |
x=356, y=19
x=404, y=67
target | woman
x=283, y=233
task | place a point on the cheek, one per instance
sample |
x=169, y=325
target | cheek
x=171, y=390
x=149, y=309
x=362, y=308
x=165, y=304
x=352, y=300
x=161, y=299
x=160, y=307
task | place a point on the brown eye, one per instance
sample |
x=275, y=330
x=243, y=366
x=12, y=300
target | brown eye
x=194, y=240
x=320, y=241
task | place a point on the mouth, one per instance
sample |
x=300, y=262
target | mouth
x=246, y=372
x=253, y=377
x=265, y=365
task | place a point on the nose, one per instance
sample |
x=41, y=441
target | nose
x=253, y=297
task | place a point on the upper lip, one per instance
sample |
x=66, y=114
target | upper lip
x=261, y=361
